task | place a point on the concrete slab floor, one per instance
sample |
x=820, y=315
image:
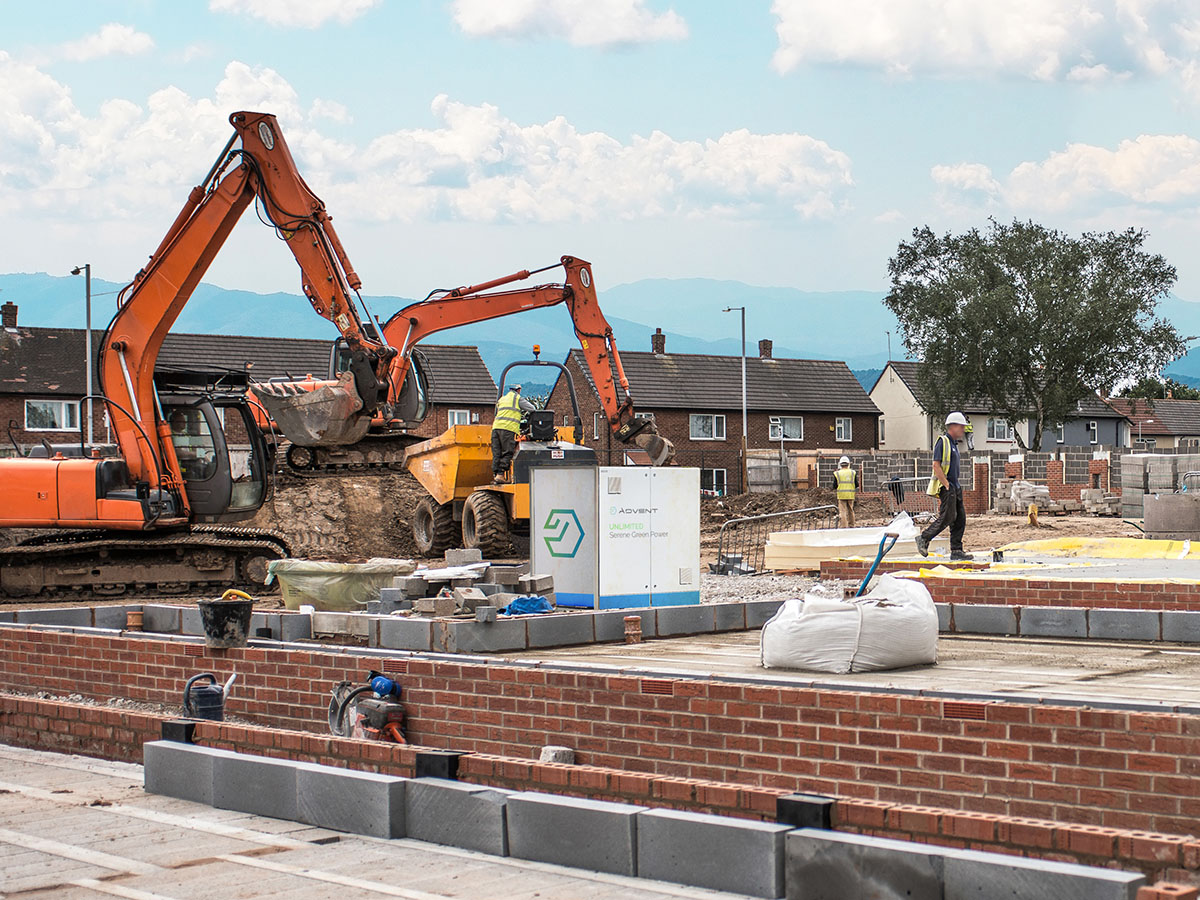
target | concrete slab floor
x=1097, y=671
x=74, y=828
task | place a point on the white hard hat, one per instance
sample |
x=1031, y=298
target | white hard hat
x=956, y=418
x=515, y=387
x=844, y=461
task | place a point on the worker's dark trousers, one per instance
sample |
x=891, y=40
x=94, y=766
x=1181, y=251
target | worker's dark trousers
x=504, y=447
x=952, y=515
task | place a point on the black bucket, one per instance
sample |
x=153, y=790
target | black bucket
x=226, y=623
x=204, y=701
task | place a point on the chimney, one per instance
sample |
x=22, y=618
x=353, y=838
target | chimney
x=658, y=341
x=764, y=349
x=8, y=315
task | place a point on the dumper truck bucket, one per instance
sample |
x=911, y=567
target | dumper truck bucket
x=315, y=413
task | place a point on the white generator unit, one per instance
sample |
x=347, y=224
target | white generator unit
x=616, y=537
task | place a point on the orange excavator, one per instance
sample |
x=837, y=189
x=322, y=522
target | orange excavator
x=157, y=515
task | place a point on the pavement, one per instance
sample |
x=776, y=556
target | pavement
x=75, y=828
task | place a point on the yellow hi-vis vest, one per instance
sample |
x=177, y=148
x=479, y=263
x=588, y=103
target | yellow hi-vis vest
x=508, y=413
x=935, y=486
x=845, y=483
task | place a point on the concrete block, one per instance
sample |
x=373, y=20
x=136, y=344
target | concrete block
x=340, y=624
x=1181, y=625
x=971, y=618
x=489, y=590
x=560, y=629
x=486, y=614
x=501, y=599
x=568, y=831
x=759, y=611
x=943, y=611
x=830, y=865
x=256, y=785
x=457, y=815
x=1053, y=621
x=553, y=753
x=610, y=623
x=411, y=586
x=535, y=584
x=435, y=606
x=476, y=637
x=463, y=556
x=295, y=627
x=405, y=633
x=505, y=576
x=992, y=876
x=161, y=619
x=190, y=622
x=463, y=581
x=374, y=607
x=695, y=619
x=351, y=801
x=468, y=598
x=717, y=852
x=72, y=617
x=112, y=616
x=183, y=771
x=1124, y=624
x=730, y=616
x=266, y=620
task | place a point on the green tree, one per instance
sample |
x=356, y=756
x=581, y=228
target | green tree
x=1030, y=320
x=1153, y=388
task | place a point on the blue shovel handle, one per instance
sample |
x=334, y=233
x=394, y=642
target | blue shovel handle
x=886, y=543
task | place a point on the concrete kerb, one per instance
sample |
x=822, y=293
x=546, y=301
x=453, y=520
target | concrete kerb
x=258, y=785
x=350, y=800
x=457, y=815
x=568, y=831
x=1053, y=621
x=970, y=618
x=1125, y=624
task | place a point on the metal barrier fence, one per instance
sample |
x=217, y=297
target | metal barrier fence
x=743, y=542
x=906, y=495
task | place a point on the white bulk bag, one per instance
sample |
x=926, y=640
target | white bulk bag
x=892, y=626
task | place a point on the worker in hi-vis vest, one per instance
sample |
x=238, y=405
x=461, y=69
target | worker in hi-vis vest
x=944, y=485
x=505, y=428
x=845, y=482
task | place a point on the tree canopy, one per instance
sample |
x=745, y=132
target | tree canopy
x=1151, y=388
x=1030, y=320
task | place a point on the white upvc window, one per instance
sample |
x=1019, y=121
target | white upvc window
x=787, y=428
x=706, y=427
x=713, y=480
x=459, y=416
x=843, y=429
x=1093, y=428
x=51, y=415
x=999, y=430
x=1060, y=433
x=882, y=432
x=598, y=423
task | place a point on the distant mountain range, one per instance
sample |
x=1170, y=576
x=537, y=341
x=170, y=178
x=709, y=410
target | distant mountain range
x=802, y=324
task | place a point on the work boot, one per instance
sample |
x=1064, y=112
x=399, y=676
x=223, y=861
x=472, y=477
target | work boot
x=961, y=556
x=922, y=545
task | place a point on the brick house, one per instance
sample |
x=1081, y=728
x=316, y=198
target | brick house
x=43, y=375
x=1161, y=423
x=696, y=402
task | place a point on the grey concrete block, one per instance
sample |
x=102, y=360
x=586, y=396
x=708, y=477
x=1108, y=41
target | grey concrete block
x=162, y=619
x=971, y=618
x=351, y=801
x=505, y=576
x=1053, y=621
x=463, y=556
x=468, y=598
x=404, y=633
x=183, y=771
x=943, y=611
x=1124, y=624
x=610, y=623
x=535, y=584
x=486, y=614
x=266, y=620
x=717, y=852
x=568, y=831
x=374, y=607
x=1181, y=625
x=112, y=616
x=730, y=616
x=190, y=623
x=696, y=619
x=560, y=629
x=74, y=616
x=993, y=876
x=831, y=865
x=295, y=627
x=489, y=590
x=411, y=586
x=759, y=611
x=255, y=784
x=478, y=637
x=457, y=815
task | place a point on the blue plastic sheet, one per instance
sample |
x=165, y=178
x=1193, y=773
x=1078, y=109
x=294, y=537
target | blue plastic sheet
x=527, y=605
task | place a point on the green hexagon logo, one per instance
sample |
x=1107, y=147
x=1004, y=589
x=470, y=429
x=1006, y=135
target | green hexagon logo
x=564, y=533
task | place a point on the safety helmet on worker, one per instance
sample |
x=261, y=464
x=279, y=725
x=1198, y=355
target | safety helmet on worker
x=956, y=418
x=515, y=387
x=844, y=461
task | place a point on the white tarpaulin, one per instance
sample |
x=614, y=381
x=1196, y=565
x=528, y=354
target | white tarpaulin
x=892, y=626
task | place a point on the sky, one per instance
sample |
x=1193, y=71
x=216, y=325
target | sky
x=775, y=142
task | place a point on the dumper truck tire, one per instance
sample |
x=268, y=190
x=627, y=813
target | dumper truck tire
x=433, y=527
x=485, y=525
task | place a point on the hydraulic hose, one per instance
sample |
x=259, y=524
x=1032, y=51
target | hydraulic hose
x=337, y=720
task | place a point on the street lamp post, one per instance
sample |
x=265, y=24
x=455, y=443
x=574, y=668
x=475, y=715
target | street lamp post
x=87, y=357
x=745, y=463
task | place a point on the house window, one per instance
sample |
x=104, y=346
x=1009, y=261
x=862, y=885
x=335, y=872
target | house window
x=1093, y=428
x=713, y=480
x=1145, y=443
x=1060, y=433
x=459, y=417
x=999, y=430
x=706, y=427
x=843, y=428
x=882, y=433
x=51, y=415
x=787, y=428
x=598, y=422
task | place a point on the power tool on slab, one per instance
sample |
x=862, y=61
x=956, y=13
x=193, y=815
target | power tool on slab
x=378, y=717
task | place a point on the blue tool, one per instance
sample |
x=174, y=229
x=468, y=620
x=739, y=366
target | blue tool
x=886, y=543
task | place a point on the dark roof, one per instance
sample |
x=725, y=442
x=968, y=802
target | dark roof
x=698, y=382
x=1161, y=417
x=1091, y=407
x=51, y=361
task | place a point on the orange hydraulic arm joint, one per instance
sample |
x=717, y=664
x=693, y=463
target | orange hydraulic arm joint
x=465, y=305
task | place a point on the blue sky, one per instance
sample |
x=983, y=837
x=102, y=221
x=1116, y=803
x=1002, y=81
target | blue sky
x=777, y=142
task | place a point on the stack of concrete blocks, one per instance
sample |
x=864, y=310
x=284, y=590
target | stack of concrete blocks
x=1097, y=503
x=480, y=584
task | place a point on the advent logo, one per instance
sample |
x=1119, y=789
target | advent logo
x=564, y=533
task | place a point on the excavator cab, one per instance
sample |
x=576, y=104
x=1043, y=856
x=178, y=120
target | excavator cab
x=412, y=403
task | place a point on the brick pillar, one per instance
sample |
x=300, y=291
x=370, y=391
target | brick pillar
x=1103, y=468
x=976, y=500
x=1014, y=470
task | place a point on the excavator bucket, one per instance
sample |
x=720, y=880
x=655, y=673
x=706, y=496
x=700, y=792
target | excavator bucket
x=316, y=414
x=659, y=449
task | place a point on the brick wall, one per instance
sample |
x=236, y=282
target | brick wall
x=437, y=420
x=12, y=412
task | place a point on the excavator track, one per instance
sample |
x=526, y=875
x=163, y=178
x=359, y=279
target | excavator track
x=111, y=564
x=374, y=455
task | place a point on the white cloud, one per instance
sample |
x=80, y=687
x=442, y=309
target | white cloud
x=583, y=23
x=296, y=13
x=111, y=40
x=1045, y=40
x=331, y=110
x=888, y=216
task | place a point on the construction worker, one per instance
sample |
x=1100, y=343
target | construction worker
x=505, y=428
x=944, y=485
x=845, y=482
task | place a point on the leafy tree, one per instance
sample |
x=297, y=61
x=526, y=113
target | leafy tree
x=1030, y=320
x=1152, y=388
